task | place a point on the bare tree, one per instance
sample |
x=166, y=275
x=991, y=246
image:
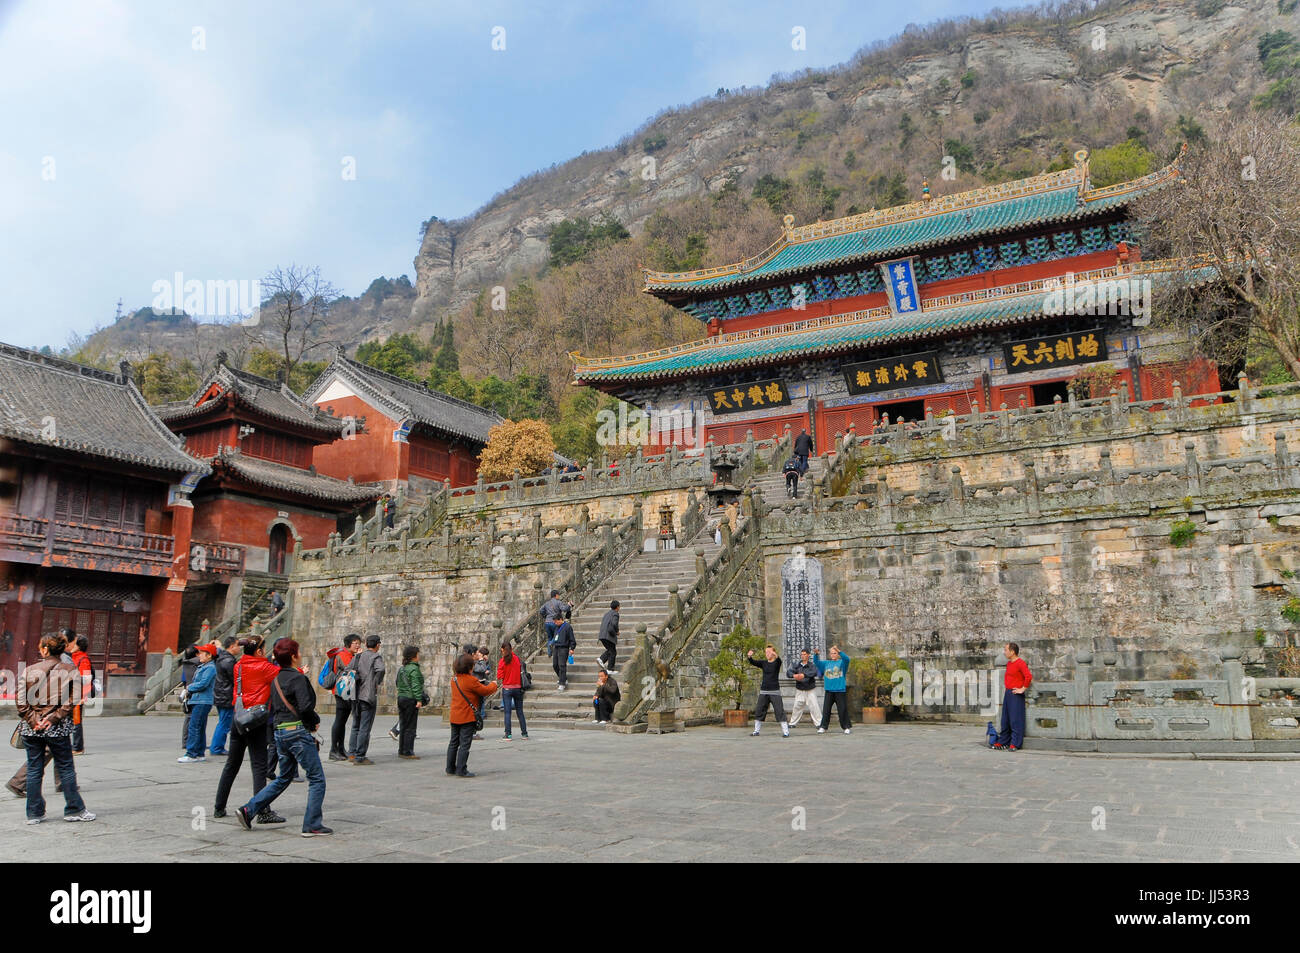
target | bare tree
x=1238, y=202
x=294, y=313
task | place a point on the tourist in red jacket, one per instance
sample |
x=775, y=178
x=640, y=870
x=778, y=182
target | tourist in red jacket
x=341, y=658
x=1016, y=682
x=81, y=662
x=510, y=673
x=253, y=675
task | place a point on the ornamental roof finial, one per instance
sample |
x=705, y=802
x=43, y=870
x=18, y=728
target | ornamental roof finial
x=925, y=191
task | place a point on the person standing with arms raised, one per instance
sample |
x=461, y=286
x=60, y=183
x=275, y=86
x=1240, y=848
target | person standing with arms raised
x=769, y=692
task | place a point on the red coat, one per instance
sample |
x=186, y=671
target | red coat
x=510, y=672
x=257, y=674
x=1018, y=675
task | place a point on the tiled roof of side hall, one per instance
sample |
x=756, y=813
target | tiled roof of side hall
x=280, y=476
x=989, y=308
x=880, y=234
x=402, y=399
x=270, y=398
x=47, y=401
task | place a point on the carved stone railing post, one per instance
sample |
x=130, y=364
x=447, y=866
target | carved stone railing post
x=537, y=530
x=1282, y=461
x=725, y=529
x=674, y=607
x=1004, y=422
x=538, y=627
x=1031, y=488
x=1245, y=396
x=1107, y=477
x=1176, y=400
x=884, y=504
x=1078, y=717
x=958, y=488
x=700, y=563
x=1234, y=673
x=1192, y=468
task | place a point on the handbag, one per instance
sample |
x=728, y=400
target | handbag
x=16, y=739
x=478, y=717
x=247, y=719
x=525, y=679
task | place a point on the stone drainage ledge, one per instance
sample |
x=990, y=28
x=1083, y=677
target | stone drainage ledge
x=1179, y=750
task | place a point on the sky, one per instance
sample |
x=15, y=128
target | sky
x=142, y=139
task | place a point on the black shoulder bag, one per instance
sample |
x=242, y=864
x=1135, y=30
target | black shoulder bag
x=247, y=719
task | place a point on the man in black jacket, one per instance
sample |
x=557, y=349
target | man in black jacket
x=609, y=639
x=769, y=692
x=802, y=448
x=223, y=692
x=805, y=698
x=564, y=643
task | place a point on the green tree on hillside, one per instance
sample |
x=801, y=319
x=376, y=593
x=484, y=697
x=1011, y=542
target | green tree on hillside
x=574, y=239
x=1120, y=163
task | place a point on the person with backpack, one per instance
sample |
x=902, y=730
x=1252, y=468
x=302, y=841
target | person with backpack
x=802, y=449
x=791, y=471
x=1015, y=683
x=338, y=661
x=805, y=696
x=769, y=691
x=552, y=612
x=223, y=693
x=368, y=667
x=565, y=643
x=608, y=637
x=200, y=701
x=46, y=693
x=510, y=673
x=410, y=699
x=293, y=715
x=606, y=697
x=81, y=662
x=463, y=714
x=252, y=674
x=835, y=674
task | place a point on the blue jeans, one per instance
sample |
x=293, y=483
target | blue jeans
x=550, y=635
x=514, y=698
x=225, y=716
x=61, y=752
x=296, y=747
x=1013, y=719
x=197, y=738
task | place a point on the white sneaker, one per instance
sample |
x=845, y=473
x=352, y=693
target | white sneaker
x=846, y=731
x=186, y=759
x=601, y=663
x=560, y=688
x=821, y=731
x=597, y=721
x=612, y=671
x=34, y=820
x=83, y=816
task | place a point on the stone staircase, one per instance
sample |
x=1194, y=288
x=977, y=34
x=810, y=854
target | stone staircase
x=771, y=485
x=641, y=587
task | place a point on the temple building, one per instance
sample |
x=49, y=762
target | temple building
x=95, y=524
x=263, y=494
x=997, y=296
x=415, y=438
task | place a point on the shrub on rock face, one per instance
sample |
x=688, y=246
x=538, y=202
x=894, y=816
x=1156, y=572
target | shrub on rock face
x=524, y=445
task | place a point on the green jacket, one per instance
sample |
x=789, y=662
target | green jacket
x=410, y=681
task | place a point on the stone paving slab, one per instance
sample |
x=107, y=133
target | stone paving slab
x=920, y=793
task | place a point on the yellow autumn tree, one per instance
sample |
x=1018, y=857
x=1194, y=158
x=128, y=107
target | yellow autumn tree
x=524, y=445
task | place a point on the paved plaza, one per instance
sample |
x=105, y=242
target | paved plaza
x=891, y=793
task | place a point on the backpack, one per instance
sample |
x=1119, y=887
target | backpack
x=329, y=673
x=345, y=686
x=992, y=735
x=791, y=466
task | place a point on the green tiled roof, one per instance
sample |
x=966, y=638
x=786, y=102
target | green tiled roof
x=705, y=358
x=1047, y=199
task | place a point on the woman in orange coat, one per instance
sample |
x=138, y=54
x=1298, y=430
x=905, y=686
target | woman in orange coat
x=466, y=690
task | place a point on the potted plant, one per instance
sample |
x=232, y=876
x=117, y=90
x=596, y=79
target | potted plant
x=733, y=675
x=871, y=677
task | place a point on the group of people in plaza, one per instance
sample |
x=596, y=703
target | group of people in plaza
x=267, y=708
